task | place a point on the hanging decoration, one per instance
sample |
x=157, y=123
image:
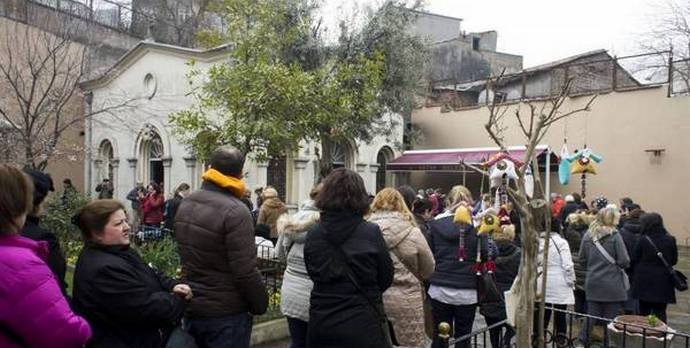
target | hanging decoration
x=564, y=166
x=502, y=168
x=582, y=162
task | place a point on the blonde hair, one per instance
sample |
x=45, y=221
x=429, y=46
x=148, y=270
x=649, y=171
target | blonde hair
x=605, y=222
x=269, y=192
x=389, y=199
x=458, y=194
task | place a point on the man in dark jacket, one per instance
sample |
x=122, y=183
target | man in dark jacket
x=105, y=189
x=631, y=231
x=215, y=237
x=134, y=196
x=571, y=205
x=43, y=184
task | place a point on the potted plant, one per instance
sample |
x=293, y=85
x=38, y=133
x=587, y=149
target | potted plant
x=639, y=331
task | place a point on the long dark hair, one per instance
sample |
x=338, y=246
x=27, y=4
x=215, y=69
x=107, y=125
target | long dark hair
x=652, y=223
x=156, y=187
x=343, y=190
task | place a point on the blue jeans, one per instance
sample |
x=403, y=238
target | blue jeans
x=232, y=331
x=298, y=332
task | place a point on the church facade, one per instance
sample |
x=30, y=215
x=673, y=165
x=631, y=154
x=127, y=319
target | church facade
x=129, y=139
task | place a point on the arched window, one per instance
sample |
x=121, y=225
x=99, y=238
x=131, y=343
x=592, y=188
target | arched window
x=151, y=153
x=105, y=156
x=384, y=156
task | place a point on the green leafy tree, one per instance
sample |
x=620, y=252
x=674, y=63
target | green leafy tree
x=284, y=84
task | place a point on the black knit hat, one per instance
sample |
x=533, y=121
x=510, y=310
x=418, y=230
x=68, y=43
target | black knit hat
x=43, y=184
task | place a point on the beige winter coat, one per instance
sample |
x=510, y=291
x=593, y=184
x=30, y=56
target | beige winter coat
x=270, y=211
x=412, y=262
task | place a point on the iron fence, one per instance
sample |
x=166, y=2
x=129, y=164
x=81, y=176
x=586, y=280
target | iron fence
x=582, y=330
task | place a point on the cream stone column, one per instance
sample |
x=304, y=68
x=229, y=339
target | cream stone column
x=167, y=163
x=117, y=191
x=261, y=173
x=301, y=184
x=190, y=163
x=373, y=168
x=133, y=167
x=97, y=164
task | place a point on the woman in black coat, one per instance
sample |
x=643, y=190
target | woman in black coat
x=340, y=315
x=453, y=285
x=507, y=267
x=648, y=268
x=126, y=302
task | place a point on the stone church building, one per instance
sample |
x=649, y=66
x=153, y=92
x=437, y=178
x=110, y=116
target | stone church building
x=132, y=140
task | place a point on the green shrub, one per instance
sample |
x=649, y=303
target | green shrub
x=58, y=219
x=161, y=255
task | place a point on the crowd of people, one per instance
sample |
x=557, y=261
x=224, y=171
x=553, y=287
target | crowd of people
x=361, y=271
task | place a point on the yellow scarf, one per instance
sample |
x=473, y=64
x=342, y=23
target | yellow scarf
x=234, y=185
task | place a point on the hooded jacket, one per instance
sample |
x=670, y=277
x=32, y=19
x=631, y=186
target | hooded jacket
x=412, y=263
x=560, y=270
x=631, y=231
x=271, y=209
x=339, y=315
x=648, y=268
x=444, y=241
x=604, y=280
x=507, y=265
x=215, y=239
x=577, y=227
x=32, y=309
x=296, y=288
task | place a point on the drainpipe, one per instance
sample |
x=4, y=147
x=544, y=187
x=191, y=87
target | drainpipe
x=88, y=98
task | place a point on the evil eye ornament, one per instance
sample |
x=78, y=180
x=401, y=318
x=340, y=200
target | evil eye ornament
x=502, y=165
x=490, y=224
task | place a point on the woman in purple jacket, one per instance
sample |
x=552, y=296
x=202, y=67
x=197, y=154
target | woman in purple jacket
x=33, y=311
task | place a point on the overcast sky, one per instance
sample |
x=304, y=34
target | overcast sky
x=547, y=30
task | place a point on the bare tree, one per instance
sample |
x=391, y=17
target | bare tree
x=534, y=211
x=670, y=33
x=41, y=100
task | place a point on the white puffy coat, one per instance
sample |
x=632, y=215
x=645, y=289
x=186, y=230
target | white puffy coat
x=560, y=277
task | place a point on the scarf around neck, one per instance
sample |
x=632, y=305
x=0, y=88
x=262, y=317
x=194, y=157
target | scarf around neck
x=230, y=183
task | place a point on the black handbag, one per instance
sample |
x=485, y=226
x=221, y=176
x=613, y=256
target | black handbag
x=487, y=290
x=386, y=325
x=679, y=280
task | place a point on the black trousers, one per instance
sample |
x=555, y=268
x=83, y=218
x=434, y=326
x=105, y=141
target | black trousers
x=461, y=317
x=298, y=332
x=559, y=322
x=500, y=335
x=658, y=309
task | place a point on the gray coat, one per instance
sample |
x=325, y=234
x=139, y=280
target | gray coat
x=296, y=288
x=604, y=280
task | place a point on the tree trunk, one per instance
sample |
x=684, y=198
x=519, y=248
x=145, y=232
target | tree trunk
x=528, y=276
x=326, y=160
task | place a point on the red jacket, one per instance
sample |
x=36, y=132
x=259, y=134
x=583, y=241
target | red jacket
x=556, y=207
x=152, y=206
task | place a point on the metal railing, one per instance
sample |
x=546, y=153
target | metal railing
x=583, y=330
x=597, y=74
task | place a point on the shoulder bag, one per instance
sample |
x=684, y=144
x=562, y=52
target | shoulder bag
x=609, y=258
x=566, y=272
x=488, y=294
x=679, y=280
x=386, y=325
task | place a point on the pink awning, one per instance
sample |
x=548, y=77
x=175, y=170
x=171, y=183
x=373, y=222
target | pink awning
x=450, y=159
